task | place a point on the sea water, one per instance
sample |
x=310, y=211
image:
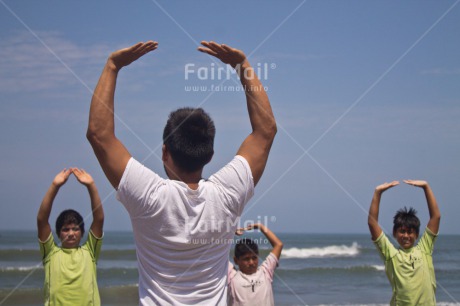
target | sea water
x=314, y=269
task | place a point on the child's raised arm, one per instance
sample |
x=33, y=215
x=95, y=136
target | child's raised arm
x=435, y=214
x=373, y=217
x=276, y=243
x=96, y=205
x=43, y=226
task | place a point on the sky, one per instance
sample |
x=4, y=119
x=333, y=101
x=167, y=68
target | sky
x=364, y=92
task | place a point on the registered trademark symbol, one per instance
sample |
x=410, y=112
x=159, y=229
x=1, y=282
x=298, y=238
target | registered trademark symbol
x=273, y=66
x=273, y=219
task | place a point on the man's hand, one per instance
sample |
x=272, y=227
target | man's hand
x=126, y=56
x=82, y=176
x=61, y=177
x=226, y=54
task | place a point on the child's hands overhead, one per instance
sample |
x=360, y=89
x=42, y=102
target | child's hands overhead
x=61, y=177
x=416, y=183
x=82, y=176
x=385, y=186
x=241, y=230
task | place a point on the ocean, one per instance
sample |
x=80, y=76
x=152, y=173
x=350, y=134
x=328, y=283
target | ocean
x=315, y=269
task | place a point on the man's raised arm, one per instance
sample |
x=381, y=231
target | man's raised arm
x=256, y=147
x=111, y=153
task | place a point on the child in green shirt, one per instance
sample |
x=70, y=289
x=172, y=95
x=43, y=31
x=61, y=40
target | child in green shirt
x=70, y=270
x=410, y=268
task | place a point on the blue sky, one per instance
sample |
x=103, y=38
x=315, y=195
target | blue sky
x=364, y=92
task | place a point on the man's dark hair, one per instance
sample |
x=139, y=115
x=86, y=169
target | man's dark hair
x=69, y=216
x=406, y=218
x=245, y=246
x=189, y=137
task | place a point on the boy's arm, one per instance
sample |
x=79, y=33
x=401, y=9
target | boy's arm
x=96, y=205
x=276, y=243
x=256, y=147
x=433, y=209
x=111, y=153
x=43, y=226
x=373, y=217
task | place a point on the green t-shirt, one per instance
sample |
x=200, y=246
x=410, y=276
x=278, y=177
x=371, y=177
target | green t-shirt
x=411, y=271
x=70, y=274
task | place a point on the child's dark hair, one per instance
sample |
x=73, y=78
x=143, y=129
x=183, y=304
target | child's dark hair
x=244, y=246
x=189, y=137
x=69, y=216
x=406, y=218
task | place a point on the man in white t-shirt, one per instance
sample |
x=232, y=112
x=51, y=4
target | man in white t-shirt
x=183, y=226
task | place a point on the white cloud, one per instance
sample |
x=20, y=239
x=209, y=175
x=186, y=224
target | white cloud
x=28, y=65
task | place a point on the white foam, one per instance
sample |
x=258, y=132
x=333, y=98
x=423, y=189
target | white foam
x=21, y=269
x=328, y=251
x=378, y=267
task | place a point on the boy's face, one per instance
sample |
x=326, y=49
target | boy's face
x=406, y=237
x=70, y=235
x=247, y=263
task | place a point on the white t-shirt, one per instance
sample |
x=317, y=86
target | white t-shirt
x=183, y=236
x=253, y=289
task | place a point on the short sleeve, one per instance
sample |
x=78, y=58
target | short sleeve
x=136, y=186
x=269, y=265
x=426, y=243
x=94, y=244
x=231, y=272
x=47, y=247
x=385, y=247
x=236, y=182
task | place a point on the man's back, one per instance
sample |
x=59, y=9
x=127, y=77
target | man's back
x=183, y=236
